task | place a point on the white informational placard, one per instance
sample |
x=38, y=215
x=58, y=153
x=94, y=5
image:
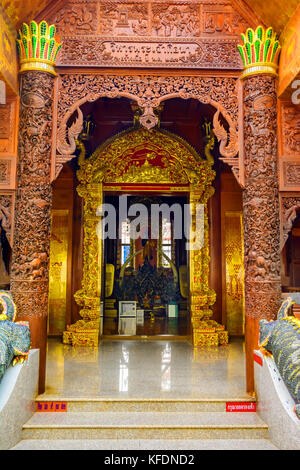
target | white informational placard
x=172, y=311
x=127, y=309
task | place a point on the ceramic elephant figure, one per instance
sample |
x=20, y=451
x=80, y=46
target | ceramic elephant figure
x=282, y=339
x=14, y=336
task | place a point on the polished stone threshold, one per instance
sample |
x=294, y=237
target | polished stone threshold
x=142, y=369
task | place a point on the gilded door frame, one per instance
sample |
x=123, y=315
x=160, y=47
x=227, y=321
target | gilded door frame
x=101, y=173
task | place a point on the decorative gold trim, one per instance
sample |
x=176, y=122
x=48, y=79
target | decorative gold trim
x=259, y=68
x=37, y=64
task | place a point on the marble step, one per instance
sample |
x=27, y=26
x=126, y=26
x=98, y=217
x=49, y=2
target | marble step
x=145, y=425
x=97, y=405
x=146, y=444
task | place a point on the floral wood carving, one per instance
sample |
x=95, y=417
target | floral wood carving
x=30, y=264
x=261, y=199
x=148, y=91
x=290, y=208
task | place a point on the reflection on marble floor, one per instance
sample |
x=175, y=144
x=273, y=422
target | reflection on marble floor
x=141, y=369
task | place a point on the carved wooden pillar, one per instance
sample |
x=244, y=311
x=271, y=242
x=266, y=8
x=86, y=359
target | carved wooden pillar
x=31, y=248
x=261, y=194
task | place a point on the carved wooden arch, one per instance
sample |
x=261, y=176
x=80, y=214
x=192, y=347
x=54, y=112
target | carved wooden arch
x=148, y=92
x=140, y=155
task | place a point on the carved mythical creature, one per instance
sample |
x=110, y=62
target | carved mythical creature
x=228, y=145
x=282, y=339
x=73, y=131
x=14, y=337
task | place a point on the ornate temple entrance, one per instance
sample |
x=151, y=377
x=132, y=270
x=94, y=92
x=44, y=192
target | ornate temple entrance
x=145, y=161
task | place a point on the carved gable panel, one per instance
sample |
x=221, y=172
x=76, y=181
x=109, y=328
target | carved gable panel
x=222, y=20
x=76, y=18
x=137, y=33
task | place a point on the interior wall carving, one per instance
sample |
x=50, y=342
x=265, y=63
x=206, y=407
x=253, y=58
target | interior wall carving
x=290, y=129
x=261, y=198
x=290, y=147
x=150, y=33
x=7, y=202
x=148, y=91
x=8, y=118
x=290, y=208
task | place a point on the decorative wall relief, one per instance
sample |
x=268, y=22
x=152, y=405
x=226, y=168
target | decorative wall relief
x=222, y=20
x=289, y=158
x=7, y=203
x=137, y=33
x=175, y=20
x=130, y=19
x=290, y=130
x=290, y=208
x=77, y=18
x=8, y=119
x=7, y=172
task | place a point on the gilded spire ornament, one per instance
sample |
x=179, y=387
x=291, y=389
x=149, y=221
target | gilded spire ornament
x=38, y=47
x=260, y=51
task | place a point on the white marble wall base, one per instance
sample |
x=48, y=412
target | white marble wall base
x=275, y=405
x=18, y=390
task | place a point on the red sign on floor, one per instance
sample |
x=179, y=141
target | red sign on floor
x=241, y=406
x=51, y=406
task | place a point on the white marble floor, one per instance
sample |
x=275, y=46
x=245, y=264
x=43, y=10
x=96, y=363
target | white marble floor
x=141, y=369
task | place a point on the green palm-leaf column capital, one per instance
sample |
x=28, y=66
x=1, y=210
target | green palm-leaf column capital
x=260, y=52
x=38, y=47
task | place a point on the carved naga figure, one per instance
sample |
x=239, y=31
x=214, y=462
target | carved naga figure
x=14, y=337
x=281, y=338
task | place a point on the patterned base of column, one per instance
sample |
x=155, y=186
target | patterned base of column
x=82, y=334
x=209, y=333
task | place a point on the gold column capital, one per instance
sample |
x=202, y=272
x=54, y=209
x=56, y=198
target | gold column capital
x=38, y=47
x=260, y=52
